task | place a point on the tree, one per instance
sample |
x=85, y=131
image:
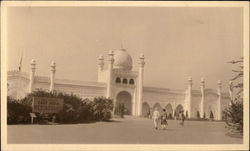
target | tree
x=234, y=112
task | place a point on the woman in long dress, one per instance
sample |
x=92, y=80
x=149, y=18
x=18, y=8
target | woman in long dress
x=155, y=117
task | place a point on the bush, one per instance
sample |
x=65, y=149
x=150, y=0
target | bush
x=75, y=109
x=17, y=113
x=234, y=114
x=102, y=108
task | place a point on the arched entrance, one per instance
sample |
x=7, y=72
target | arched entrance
x=211, y=112
x=169, y=110
x=158, y=106
x=145, y=109
x=124, y=99
x=178, y=110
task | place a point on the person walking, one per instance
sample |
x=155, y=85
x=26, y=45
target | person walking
x=156, y=116
x=164, y=119
x=182, y=118
x=122, y=110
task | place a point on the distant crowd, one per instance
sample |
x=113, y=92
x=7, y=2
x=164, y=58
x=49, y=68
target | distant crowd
x=160, y=119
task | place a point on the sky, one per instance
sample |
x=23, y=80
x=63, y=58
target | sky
x=177, y=42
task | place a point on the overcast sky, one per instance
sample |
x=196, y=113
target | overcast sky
x=177, y=42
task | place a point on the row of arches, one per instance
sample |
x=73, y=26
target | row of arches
x=124, y=100
x=124, y=81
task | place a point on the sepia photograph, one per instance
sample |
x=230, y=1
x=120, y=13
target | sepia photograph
x=124, y=75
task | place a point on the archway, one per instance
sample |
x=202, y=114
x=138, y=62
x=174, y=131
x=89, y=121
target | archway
x=169, y=110
x=145, y=109
x=178, y=110
x=124, y=98
x=158, y=106
x=211, y=112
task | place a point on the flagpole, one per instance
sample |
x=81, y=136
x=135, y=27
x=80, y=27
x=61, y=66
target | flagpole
x=20, y=63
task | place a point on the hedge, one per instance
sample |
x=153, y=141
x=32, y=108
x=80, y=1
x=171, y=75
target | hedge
x=75, y=109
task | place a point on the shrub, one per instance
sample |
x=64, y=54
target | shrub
x=235, y=116
x=102, y=108
x=85, y=111
x=75, y=109
x=17, y=113
x=234, y=112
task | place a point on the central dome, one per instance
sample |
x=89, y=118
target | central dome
x=122, y=60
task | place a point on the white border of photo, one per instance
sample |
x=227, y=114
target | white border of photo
x=74, y=147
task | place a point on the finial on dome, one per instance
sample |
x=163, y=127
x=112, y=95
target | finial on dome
x=101, y=61
x=141, y=61
x=142, y=56
x=111, y=56
x=111, y=52
x=53, y=64
x=33, y=65
x=101, y=57
x=190, y=79
x=230, y=82
x=33, y=61
x=202, y=82
x=218, y=82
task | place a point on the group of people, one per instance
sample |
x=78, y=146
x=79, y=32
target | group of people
x=161, y=118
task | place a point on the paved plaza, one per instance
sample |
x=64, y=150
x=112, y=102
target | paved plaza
x=130, y=130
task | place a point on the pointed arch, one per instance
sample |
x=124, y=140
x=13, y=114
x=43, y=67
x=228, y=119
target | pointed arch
x=145, y=109
x=158, y=106
x=178, y=110
x=131, y=81
x=124, y=99
x=169, y=110
x=125, y=81
x=118, y=80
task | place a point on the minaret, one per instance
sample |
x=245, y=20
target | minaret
x=110, y=73
x=52, y=76
x=101, y=63
x=189, y=99
x=231, y=90
x=32, y=75
x=140, y=84
x=202, y=96
x=219, y=99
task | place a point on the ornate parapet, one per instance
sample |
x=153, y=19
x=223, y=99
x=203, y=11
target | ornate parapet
x=127, y=73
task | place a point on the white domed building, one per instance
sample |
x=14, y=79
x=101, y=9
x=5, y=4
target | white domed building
x=120, y=82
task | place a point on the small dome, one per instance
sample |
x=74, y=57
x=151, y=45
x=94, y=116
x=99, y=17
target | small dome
x=122, y=60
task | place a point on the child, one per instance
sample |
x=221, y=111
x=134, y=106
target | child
x=164, y=119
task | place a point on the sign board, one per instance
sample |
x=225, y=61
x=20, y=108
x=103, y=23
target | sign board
x=47, y=105
x=33, y=115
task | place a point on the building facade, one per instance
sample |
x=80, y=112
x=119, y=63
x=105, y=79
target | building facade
x=125, y=86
